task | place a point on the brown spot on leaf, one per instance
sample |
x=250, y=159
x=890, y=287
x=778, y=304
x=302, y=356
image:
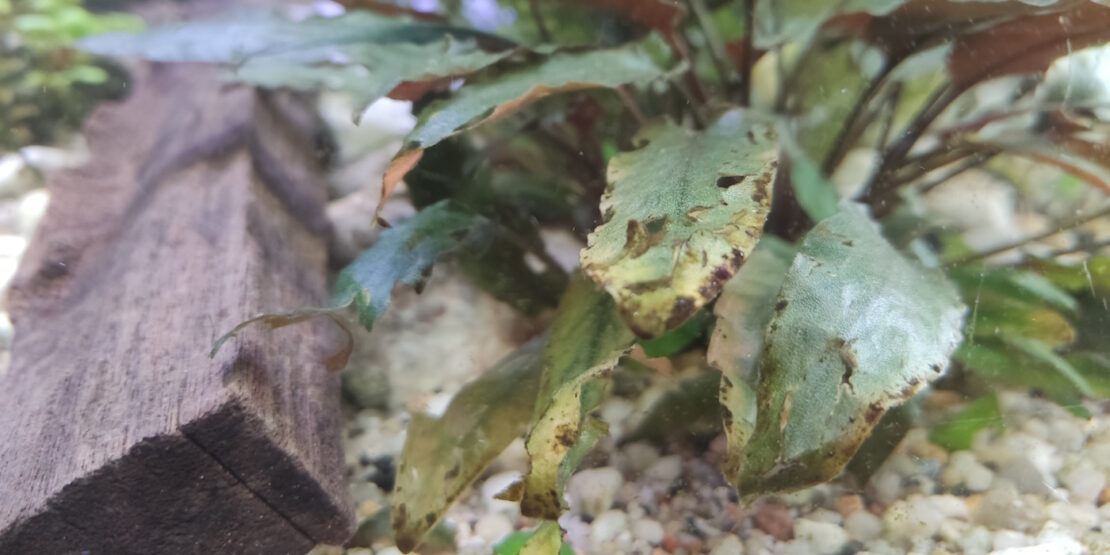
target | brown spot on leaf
x=682, y=310
x=453, y=473
x=566, y=435
x=781, y=305
x=430, y=519
x=874, y=411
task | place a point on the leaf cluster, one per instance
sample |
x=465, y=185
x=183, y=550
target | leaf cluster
x=693, y=147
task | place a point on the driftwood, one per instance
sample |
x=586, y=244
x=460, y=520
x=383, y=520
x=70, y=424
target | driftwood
x=201, y=206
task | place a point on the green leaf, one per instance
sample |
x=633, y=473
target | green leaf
x=442, y=456
x=956, y=433
x=546, y=540
x=1002, y=366
x=1020, y=285
x=743, y=312
x=782, y=21
x=1039, y=351
x=679, y=338
x=405, y=254
x=360, y=52
x=586, y=339
x=489, y=99
x=857, y=330
x=681, y=214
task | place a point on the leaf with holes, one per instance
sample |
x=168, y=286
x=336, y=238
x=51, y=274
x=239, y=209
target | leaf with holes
x=442, y=456
x=586, y=339
x=681, y=213
x=857, y=330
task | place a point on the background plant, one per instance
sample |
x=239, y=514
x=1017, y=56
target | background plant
x=697, y=161
x=45, y=84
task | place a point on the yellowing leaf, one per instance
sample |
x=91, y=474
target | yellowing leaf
x=681, y=213
x=585, y=342
x=857, y=330
x=442, y=456
x=743, y=311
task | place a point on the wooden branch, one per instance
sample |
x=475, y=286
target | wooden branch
x=201, y=206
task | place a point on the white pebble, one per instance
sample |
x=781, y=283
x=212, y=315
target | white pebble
x=907, y=520
x=639, y=456
x=666, y=469
x=389, y=551
x=963, y=469
x=593, y=490
x=888, y=487
x=607, y=526
x=731, y=545
x=863, y=526
x=823, y=537
x=1007, y=539
x=1084, y=483
x=648, y=530
x=950, y=506
x=493, y=527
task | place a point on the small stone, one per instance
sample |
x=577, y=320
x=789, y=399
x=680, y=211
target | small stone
x=825, y=515
x=863, y=526
x=1027, y=477
x=639, y=456
x=913, y=518
x=964, y=469
x=1104, y=496
x=1075, y=517
x=731, y=545
x=665, y=470
x=388, y=551
x=1006, y=539
x=493, y=527
x=593, y=490
x=1003, y=508
x=950, y=506
x=848, y=504
x=607, y=526
x=648, y=530
x=1084, y=483
x=775, y=520
x=822, y=537
x=977, y=540
x=887, y=486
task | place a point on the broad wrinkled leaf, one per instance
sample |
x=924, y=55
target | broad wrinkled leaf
x=743, y=312
x=857, y=330
x=486, y=100
x=442, y=456
x=360, y=52
x=681, y=214
x=781, y=21
x=586, y=339
x=405, y=254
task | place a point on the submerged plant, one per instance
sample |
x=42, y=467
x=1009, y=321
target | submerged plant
x=693, y=147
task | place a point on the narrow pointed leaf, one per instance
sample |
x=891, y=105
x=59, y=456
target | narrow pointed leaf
x=442, y=456
x=363, y=53
x=743, y=312
x=857, y=330
x=405, y=254
x=585, y=342
x=486, y=100
x=681, y=214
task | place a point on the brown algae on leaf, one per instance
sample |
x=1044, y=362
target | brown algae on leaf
x=682, y=213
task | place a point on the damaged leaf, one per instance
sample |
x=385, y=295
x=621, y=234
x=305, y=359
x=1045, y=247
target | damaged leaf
x=681, y=214
x=586, y=339
x=405, y=254
x=857, y=330
x=743, y=311
x=487, y=100
x=442, y=456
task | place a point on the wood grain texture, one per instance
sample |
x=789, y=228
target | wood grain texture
x=202, y=205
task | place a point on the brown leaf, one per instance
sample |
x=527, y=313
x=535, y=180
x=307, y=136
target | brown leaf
x=1027, y=44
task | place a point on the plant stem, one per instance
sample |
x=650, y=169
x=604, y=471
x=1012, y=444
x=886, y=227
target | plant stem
x=631, y=105
x=747, y=54
x=1059, y=228
x=692, y=104
x=534, y=6
x=972, y=162
x=713, y=38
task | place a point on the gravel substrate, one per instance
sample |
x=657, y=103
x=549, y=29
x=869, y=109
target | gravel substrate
x=1037, y=485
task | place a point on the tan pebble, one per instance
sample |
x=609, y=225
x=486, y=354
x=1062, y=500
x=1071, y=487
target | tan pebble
x=670, y=543
x=1104, y=496
x=848, y=504
x=973, y=501
x=775, y=520
x=940, y=399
